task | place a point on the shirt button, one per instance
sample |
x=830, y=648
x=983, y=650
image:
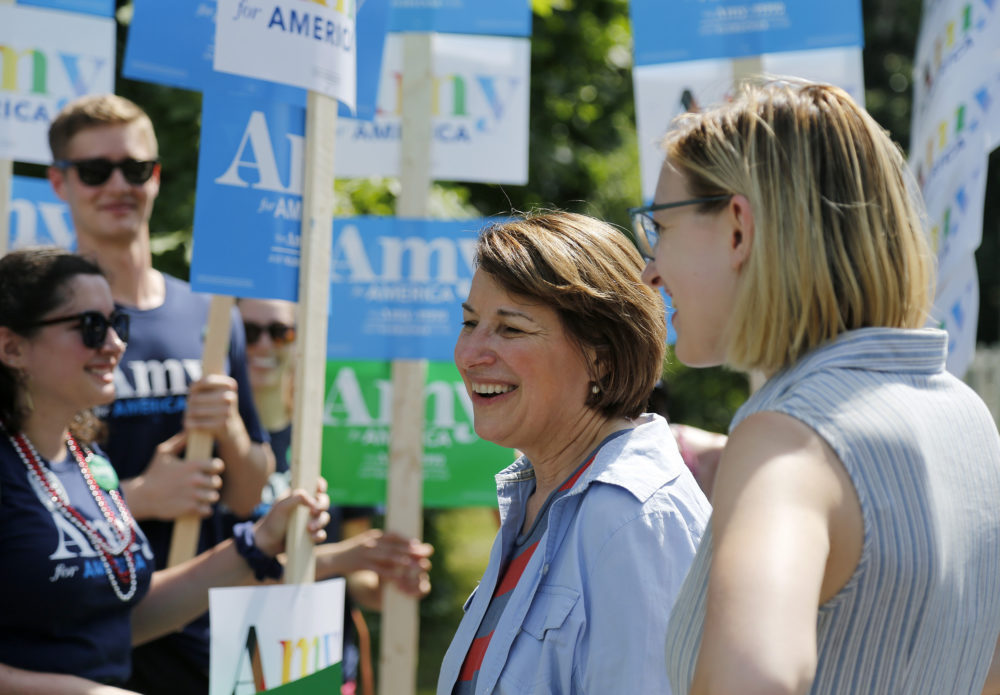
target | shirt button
x=545, y=569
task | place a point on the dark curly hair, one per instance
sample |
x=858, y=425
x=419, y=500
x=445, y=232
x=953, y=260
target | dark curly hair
x=32, y=283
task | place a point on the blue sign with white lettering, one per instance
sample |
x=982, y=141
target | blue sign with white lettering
x=102, y=8
x=248, y=203
x=668, y=32
x=397, y=287
x=496, y=18
x=38, y=216
x=185, y=60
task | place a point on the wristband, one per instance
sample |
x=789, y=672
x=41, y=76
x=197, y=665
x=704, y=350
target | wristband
x=263, y=566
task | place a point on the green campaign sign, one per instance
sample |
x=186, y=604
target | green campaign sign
x=458, y=465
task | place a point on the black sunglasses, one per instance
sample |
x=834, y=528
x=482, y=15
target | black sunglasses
x=93, y=326
x=94, y=172
x=281, y=333
x=646, y=230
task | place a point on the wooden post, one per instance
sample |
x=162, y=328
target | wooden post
x=184, y=540
x=749, y=66
x=404, y=506
x=310, y=343
x=6, y=185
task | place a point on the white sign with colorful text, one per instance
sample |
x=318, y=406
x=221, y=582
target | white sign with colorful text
x=267, y=636
x=304, y=44
x=479, y=120
x=48, y=58
x=663, y=92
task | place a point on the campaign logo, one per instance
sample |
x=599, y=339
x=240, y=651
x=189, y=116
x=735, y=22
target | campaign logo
x=945, y=141
x=300, y=43
x=369, y=417
x=479, y=112
x=34, y=71
x=46, y=59
x=945, y=43
x=38, y=217
x=458, y=466
x=397, y=287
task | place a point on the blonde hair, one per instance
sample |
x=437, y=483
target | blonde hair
x=838, y=242
x=94, y=111
x=590, y=274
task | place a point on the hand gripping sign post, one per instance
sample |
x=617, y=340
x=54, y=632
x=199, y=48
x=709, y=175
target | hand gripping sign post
x=309, y=45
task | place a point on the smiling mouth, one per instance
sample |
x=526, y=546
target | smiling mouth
x=491, y=390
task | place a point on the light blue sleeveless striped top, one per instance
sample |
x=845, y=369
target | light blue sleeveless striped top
x=922, y=612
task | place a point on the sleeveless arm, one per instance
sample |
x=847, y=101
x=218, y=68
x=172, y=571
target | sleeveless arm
x=781, y=501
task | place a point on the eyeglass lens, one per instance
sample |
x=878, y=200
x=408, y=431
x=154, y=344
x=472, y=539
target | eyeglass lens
x=280, y=333
x=94, y=172
x=646, y=235
x=94, y=327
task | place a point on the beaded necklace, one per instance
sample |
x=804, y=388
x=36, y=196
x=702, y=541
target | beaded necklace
x=121, y=529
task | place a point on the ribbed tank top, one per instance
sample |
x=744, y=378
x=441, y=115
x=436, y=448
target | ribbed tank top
x=921, y=613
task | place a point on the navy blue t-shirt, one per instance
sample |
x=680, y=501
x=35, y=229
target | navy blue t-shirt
x=163, y=356
x=60, y=614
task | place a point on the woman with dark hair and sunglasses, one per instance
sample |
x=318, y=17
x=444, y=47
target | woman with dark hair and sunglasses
x=77, y=574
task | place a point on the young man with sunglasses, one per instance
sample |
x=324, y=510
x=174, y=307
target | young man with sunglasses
x=106, y=167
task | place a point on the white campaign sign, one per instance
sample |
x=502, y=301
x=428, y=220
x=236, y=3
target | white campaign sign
x=480, y=113
x=46, y=59
x=665, y=91
x=956, y=310
x=272, y=635
x=303, y=44
x=954, y=125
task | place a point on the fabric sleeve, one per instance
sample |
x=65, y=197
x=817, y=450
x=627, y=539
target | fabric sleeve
x=634, y=581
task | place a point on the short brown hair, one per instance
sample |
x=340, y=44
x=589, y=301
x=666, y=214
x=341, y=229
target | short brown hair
x=839, y=242
x=94, y=111
x=590, y=273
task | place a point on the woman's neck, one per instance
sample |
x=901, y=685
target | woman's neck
x=272, y=406
x=552, y=469
x=47, y=435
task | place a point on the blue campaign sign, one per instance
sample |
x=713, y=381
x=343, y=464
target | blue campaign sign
x=397, y=287
x=102, y=8
x=173, y=43
x=667, y=32
x=38, y=216
x=248, y=201
x=497, y=18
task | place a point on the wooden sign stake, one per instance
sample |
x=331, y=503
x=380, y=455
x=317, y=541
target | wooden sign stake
x=404, y=505
x=184, y=540
x=310, y=342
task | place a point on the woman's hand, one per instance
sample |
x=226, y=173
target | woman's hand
x=403, y=561
x=271, y=530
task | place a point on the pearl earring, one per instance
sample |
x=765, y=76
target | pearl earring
x=595, y=389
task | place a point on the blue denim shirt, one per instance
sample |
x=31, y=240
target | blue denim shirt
x=590, y=612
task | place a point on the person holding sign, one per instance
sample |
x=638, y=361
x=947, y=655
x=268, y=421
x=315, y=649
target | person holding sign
x=106, y=167
x=854, y=537
x=560, y=346
x=365, y=556
x=77, y=575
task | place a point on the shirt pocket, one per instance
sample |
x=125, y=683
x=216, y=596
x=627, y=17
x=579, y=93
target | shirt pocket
x=541, y=658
